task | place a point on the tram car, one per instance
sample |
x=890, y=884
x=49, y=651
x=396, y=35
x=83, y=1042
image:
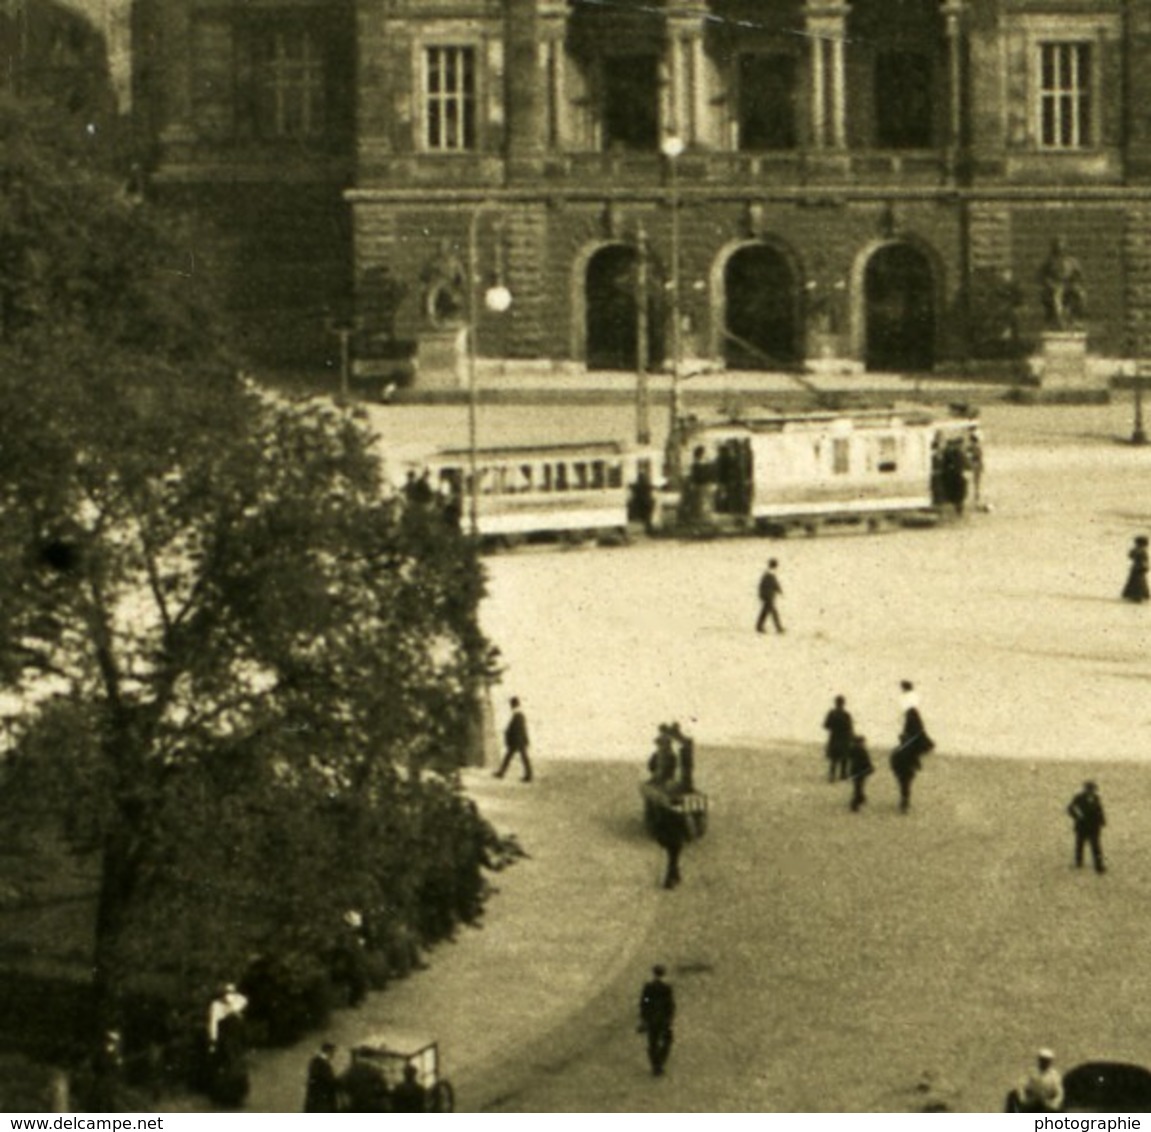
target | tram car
x=570, y=492
x=782, y=471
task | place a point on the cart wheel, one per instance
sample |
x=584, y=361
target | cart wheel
x=442, y=1097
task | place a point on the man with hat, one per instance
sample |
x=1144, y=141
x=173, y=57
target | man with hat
x=656, y=1015
x=321, y=1094
x=769, y=591
x=1086, y=810
x=1041, y=1090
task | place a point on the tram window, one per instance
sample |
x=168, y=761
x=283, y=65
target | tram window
x=615, y=475
x=579, y=471
x=597, y=475
x=526, y=477
x=561, y=477
x=888, y=454
x=546, y=483
x=840, y=456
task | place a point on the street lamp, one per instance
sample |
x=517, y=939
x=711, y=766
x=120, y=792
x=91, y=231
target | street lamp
x=672, y=148
x=497, y=299
x=1139, y=435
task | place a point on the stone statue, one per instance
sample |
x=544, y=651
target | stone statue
x=445, y=287
x=1064, y=293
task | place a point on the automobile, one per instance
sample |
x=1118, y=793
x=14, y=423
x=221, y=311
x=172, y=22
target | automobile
x=391, y=1052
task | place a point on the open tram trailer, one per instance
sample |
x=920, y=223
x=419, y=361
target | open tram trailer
x=803, y=469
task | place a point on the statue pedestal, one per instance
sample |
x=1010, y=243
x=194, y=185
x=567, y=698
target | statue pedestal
x=442, y=358
x=1062, y=360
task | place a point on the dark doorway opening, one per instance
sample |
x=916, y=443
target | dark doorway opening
x=612, y=285
x=899, y=295
x=761, y=317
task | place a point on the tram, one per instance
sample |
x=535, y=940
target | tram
x=573, y=492
x=779, y=471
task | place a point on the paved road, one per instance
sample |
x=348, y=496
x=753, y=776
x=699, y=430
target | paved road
x=791, y=934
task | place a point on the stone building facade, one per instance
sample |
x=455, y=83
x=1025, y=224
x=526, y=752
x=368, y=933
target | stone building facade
x=855, y=183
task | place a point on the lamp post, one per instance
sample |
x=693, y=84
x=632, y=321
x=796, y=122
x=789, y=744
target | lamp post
x=642, y=389
x=497, y=299
x=672, y=148
x=1139, y=434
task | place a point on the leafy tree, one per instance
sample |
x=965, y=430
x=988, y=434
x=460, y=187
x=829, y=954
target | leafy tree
x=226, y=655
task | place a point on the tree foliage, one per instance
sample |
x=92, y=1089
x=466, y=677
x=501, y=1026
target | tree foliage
x=226, y=653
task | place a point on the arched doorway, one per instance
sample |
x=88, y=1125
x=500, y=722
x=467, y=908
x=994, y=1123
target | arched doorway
x=760, y=310
x=899, y=309
x=612, y=283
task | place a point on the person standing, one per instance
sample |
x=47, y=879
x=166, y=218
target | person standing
x=656, y=1016
x=840, y=728
x=769, y=592
x=1086, y=810
x=409, y=1095
x=516, y=741
x=670, y=828
x=321, y=1094
x=1136, y=588
x=914, y=743
x=859, y=768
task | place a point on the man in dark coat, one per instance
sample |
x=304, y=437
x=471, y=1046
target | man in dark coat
x=516, y=742
x=859, y=768
x=1086, y=810
x=769, y=590
x=321, y=1094
x=656, y=1015
x=914, y=743
x=840, y=728
x=409, y=1095
x=669, y=826
x=363, y=1085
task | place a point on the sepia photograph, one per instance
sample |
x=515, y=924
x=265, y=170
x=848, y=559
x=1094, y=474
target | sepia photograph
x=568, y=556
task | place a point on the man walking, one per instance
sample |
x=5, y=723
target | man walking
x=840, y=728
x=769, y=591
x=656, y=1015
x=516, y=742
x=1086, y=810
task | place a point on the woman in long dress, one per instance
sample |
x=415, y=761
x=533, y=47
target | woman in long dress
x=1136, y=587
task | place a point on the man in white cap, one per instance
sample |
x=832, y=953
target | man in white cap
x=1042, y=1089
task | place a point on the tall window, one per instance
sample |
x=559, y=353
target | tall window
x=1065, y=95
x=450, y=98
x=904, y=107
x=291, y=84
x=631, y=102
x=767, y=88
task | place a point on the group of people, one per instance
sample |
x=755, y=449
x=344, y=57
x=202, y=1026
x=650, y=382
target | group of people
x=362, y=1087
x=848, y=757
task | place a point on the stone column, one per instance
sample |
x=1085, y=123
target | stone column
x=1138, y=64
x=953, y=13
x=553, y=24
x=826, y=25
x=525, y=96
x=687, y=73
